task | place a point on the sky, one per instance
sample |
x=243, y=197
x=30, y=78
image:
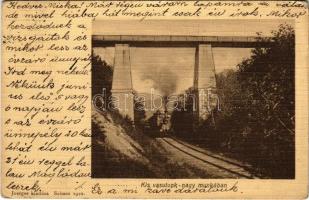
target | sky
x=152, y=65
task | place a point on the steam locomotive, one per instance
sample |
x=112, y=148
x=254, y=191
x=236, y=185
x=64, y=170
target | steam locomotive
x=160, y=123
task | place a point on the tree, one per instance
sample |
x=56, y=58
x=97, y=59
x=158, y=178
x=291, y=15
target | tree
x=182, y=118
x=101, y=75
x=257, y=117
x=267, y=80
x=101, y=81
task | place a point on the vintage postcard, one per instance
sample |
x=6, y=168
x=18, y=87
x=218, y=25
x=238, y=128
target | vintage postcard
x=154, y=99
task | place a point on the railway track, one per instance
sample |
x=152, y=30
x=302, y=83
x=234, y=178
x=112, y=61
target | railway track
x=233, y=162
x=233, y=167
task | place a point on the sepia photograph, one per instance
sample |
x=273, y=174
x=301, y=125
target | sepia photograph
x=107, y=99
x=187, y=99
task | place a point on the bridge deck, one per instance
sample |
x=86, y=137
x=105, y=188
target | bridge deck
x=164, y=40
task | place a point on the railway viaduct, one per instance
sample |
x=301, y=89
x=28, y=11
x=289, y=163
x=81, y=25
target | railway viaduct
x=204, y=71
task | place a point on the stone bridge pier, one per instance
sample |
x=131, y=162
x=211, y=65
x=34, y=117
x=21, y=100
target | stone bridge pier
x=122, y=89
x=204, y=82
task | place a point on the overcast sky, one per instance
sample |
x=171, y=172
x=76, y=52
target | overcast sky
x=179, y=61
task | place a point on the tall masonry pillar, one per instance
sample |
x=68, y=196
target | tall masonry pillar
x=122, y=89
x=204, y=82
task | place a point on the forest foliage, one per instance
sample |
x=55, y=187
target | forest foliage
x=256, y=121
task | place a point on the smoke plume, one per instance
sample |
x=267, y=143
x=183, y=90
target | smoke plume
x=163, y=80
